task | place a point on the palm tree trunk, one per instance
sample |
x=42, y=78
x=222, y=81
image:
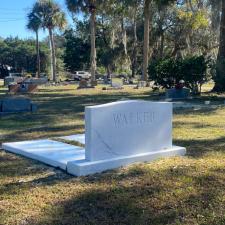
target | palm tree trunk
x=134, y=55
x=38, y=56
x=220, y=67
x=161, y=50
x=161, y=30
x=53, y=56
x=93, y=48
x=124, y=36
x=147, y=16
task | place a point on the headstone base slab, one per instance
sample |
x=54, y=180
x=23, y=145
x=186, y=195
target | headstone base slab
x=53, y=153
x=77, y=137
x=84, y=167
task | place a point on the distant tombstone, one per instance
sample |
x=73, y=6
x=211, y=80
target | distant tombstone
x=23, y=88
x=121, y=133
x=14, y=88
x=117, y=85
x=83, y=84
x=9, y=80
x=142, y=84
x=37, y=81
x=94, y=83
x=16, y=104
x=178, y=94
x=86, y=84
x=32, y=88
x=106, y=80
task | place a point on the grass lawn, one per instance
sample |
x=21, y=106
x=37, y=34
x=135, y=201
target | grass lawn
x=187, y=190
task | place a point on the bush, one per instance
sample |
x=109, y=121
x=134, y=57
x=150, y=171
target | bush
x=168, y=72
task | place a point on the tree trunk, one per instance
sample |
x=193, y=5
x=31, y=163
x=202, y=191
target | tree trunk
x=220, y=65
x=38, y=56
x=215, y=15
x=161, y=51
x=161, y=31
x=109, y=73
x=93, y=48
x=112, y=44
x=134, y=55
x=147, y=12
x=124, y=36
x=53, y=56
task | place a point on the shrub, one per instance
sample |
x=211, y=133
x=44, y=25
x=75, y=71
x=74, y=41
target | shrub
x=168, y=72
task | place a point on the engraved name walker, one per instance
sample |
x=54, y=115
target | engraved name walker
x=133, y=118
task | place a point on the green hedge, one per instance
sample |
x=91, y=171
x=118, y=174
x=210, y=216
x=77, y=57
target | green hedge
x=168, y=72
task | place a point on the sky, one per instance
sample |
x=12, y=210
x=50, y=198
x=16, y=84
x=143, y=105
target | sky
x=13, y=18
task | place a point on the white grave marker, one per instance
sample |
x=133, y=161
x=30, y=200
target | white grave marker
x=117, y=134
x=121, y=133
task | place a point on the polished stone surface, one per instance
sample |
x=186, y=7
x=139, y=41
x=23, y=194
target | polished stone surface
x=127, y=128
x=51, y=152
x=77, y=137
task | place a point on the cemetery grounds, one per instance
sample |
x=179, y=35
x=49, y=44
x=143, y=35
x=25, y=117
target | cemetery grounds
x=178, y=190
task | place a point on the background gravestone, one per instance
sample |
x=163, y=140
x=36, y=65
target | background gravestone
x=178, y=94
x=17, y=104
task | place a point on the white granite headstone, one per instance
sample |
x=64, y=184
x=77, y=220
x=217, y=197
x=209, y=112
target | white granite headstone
x=121, y=133
x=127, y=128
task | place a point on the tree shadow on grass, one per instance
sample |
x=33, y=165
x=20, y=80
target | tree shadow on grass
x=199, y=111
x=45, y=96
x=12, y=165
x=44, y=132
x=56, y=90
x=193, y=125
x=198, y=148
x=40, y=179
x=152, y=198
x=26, y=174
x=3, y=92
x=207, y=97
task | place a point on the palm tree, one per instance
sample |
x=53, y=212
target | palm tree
x=34, y=24
x=52, y=18
x=77, y=6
